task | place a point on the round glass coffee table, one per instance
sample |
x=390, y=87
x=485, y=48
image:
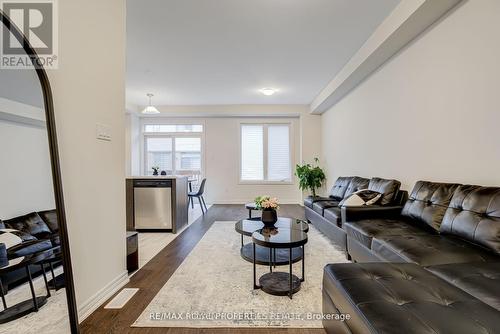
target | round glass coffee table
x=280, y=256
x=23, y=308
x=279, y=283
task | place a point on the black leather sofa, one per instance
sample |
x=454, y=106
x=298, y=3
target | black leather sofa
x=432, y=268
x=326, y=214
x=39, y=232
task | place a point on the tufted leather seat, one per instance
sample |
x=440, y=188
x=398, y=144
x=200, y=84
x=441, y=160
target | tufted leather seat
x=454, y=232
x=333, y=215
x=320, y=207
x=428, y=202
x=428, y=250
x=401, y=298
x=340, y=187
x=474, y=215
x=39, y=232
x=388, y=189
x=343, y=186
x=327, y=216
x=364, y=231
x=421, y=214
x=310, y=200
x=479, y=279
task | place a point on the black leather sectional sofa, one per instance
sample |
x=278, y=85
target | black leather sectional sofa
x=39, y=231
x=326, y=214
x=433, y=267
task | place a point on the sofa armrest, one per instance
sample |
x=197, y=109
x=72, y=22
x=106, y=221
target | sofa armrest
x=355, y=213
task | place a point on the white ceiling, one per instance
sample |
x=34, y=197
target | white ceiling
x=208, y=52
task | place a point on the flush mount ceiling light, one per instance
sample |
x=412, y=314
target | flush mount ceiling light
x=150, y=109
x=268, y=91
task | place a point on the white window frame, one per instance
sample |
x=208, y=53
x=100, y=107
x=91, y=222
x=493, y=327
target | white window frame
x=157, y=121
x=265, y=152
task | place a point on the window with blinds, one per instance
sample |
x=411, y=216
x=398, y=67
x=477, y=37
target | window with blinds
x=265, y=152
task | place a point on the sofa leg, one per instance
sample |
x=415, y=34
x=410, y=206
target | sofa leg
x=348, y=256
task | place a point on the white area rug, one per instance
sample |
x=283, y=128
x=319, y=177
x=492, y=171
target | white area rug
x=51, y=318
x=215, y=282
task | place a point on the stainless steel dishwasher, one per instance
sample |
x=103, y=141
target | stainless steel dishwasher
x=153, y=204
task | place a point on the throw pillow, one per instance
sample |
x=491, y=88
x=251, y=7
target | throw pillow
x=10, y=237
x=362, y=197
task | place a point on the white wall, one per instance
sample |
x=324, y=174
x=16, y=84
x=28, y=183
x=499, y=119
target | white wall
x=431, y=112
x=89, y=88
x=26, y=182
x=132, y=144
x=221, y=146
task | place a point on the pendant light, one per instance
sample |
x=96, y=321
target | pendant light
x=150, y=109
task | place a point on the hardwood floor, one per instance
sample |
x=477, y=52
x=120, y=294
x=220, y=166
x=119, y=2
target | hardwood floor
x=151, y=278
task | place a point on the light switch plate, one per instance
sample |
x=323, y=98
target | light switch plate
x=103, y=132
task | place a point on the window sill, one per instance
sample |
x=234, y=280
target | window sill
x=256, y=183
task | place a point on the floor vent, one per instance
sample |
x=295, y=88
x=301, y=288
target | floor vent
x=121, y=298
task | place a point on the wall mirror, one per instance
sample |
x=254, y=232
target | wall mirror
x=37, y=292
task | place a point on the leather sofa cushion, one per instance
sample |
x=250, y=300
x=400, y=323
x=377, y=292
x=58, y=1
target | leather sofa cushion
x=428, y=249
x=479, y=279
x=404, y=298
x=388, y=189
x=29, y=247
x=30, y=223
x=340, y=187
x=309, y=200
x=363, y=231
x=319, y=207
x=332, y=215
x=474, y=215
x=357, y=183
x=428, y=202
x=50, y=218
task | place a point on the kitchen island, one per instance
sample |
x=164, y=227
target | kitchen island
x=156, y=203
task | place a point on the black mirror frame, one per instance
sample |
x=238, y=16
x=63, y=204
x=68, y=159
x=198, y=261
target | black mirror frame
x=56, y=170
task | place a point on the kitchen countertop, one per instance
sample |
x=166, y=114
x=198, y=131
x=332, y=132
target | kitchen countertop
x=159, y=177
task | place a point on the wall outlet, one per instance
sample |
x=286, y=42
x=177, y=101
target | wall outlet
x=103, y=132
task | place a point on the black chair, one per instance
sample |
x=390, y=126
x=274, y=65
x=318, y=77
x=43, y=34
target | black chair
x=199, y=195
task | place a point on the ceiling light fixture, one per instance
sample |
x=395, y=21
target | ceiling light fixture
x=150, y=109
x=268, y=91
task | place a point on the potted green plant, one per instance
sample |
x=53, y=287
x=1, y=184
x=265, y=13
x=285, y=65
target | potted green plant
x=310, y=177
x=155, y=170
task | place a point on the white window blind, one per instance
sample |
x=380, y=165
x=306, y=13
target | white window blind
x=173, y=128
x=265, y=152
x=252, y=152
x=278, y=152
x=188, y=153
x=158, y=154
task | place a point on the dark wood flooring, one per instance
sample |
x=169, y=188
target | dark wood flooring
x=153, y=276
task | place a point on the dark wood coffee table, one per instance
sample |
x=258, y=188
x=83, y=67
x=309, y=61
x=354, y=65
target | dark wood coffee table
x=279, y=257
x=279, y=283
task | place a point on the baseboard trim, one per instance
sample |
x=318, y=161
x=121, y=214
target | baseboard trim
x=94, y=302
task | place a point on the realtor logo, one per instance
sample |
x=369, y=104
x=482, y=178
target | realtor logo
x=37, y=20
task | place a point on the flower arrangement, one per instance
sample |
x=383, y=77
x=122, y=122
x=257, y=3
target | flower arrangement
x=266, y=202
